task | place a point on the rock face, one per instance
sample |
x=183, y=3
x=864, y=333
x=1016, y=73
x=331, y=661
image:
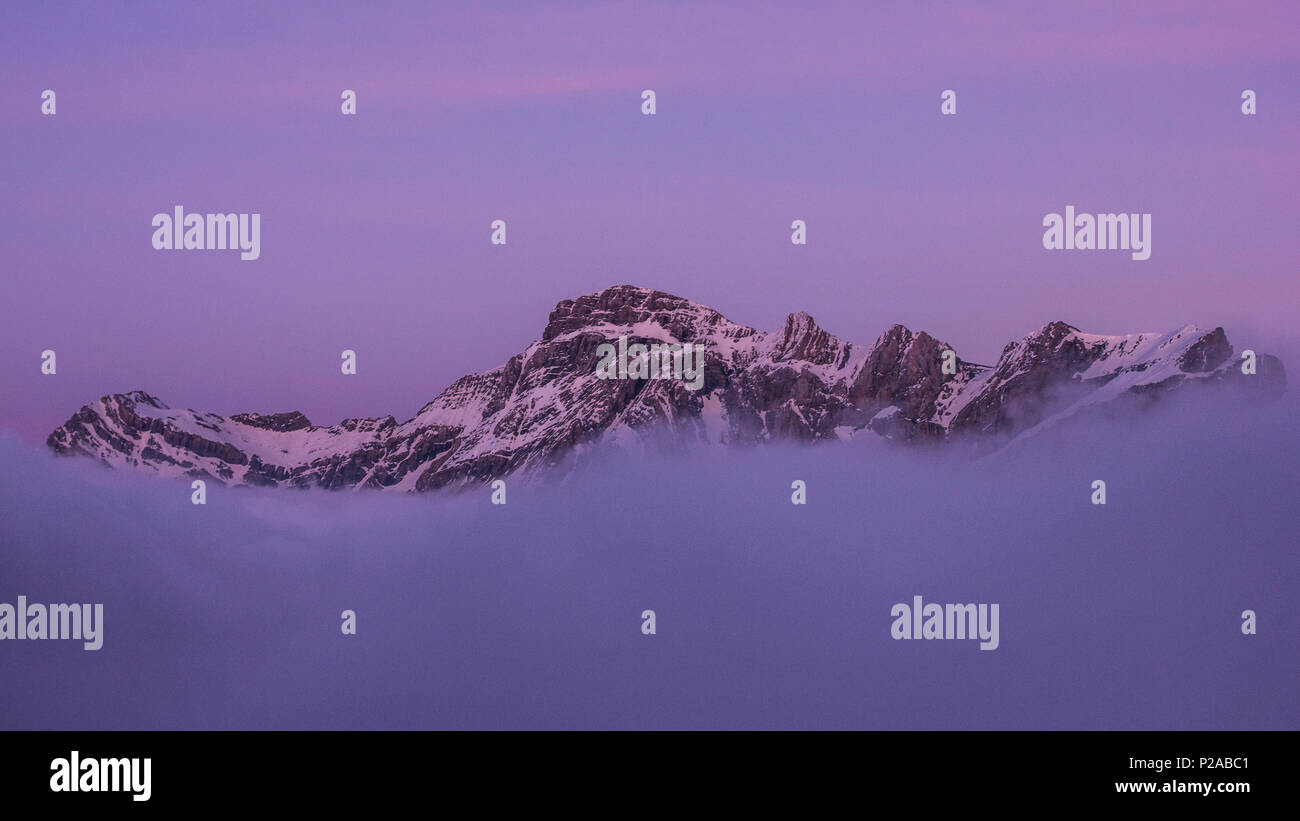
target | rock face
x=546, y=408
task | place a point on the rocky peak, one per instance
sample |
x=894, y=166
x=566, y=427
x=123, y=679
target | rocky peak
x=136, y=397
x=1054, y=332
x=1057, y=346
x=630, y=305
x=801, y=338
x=896, y=336
x=903, y=369
x=1207, y=353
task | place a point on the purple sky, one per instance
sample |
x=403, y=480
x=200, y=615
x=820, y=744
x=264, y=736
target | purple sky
x=375, y=227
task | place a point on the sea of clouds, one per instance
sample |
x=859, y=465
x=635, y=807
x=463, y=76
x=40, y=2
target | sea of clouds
x=768, y=614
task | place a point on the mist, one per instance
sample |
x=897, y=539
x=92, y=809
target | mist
x=768, y=614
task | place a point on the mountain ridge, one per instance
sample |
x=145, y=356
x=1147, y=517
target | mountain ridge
x=545, y=406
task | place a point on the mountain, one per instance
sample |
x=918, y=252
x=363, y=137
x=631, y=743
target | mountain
x=548, y=406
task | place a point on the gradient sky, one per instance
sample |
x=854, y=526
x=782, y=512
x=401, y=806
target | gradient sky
x=375, y=227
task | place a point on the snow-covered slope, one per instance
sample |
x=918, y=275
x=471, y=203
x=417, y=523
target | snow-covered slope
x=1058, y=370
x=546, y=407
